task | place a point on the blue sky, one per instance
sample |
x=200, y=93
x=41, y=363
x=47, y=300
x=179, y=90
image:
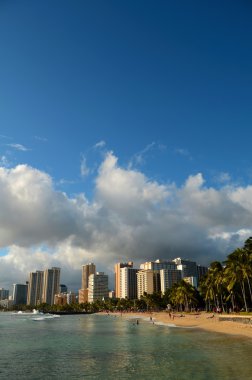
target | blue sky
x=165, y=85
x=129, y=73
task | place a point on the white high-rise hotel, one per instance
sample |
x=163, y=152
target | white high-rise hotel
x=128, y=283
x=97, y=286
x=153, y=276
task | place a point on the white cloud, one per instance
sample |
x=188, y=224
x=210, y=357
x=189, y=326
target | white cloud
x=131, y=217
x=18, y=147
x=4, y=161
x=84, y=170
x=183, y=152
x=223, y=177
x=4, y=137
x=140, y=157
x=100, y=144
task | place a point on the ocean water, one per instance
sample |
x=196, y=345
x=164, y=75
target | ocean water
x=108, y=347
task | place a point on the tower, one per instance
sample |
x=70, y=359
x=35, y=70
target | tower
x=51, y=285
x=97, y=287
x=118, y=267
x=87, y=270
x=35, y=288
x=19, y=294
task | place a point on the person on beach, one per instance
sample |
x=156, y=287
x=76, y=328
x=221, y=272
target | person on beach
x=211, y=316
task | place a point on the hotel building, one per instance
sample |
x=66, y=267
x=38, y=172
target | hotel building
x=97, y=287
x=19, y=296
x=64, y=298
x=188, y=268
x=4, y=294
x=148, y=282
x=158, y=265
x=35, y=288
x=87, y=270
x=51, y=285
x=128, y=283
x=117, y=269
x=169, y=277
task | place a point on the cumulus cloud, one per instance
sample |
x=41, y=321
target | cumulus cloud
x=130, y=217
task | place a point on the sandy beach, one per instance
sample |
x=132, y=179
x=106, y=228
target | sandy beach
x=203, y=320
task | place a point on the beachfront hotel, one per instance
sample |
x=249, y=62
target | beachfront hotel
x=145, y=282
x=4, y=294
x=97, y=286
x=35, y=288
x=42, y=286
x=117, y=272
x=19, y=295
x=128, y=283
x=159, y=275
x=94, y=285
x=87, y=270
x=169, y=277
x=51, y=285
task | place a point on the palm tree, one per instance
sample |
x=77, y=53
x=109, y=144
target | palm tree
x=247, y=261
x=237, y=271
x=213, y=285
x=183, y=294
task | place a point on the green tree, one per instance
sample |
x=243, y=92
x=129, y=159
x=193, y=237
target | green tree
x=238, y=271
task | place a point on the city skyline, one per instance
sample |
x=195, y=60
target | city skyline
x=125, y=133
x=42, y=286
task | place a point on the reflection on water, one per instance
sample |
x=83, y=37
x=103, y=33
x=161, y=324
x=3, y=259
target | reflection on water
x=105, y=347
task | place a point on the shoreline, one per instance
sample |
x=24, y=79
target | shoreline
x=226, y=324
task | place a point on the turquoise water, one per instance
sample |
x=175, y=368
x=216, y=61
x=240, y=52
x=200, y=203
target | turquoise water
x=107, y=347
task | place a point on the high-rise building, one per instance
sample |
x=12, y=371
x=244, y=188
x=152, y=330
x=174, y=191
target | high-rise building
x=128, y=283
x=145, y=282
x=20, y=294
x=50, y=285
x=118, y=268
x=169, y=277
x=35, y=288
x=87, y=270
x=158, y=265
x=191, y=280
x=97, y=287
x=4, y=294
x=63, y=288
x=188, y=268
x=201, y=271
x=83, y=295
x=112, y=294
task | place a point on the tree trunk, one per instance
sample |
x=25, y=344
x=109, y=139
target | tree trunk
x=222, y=305
x=244, y=295
x=250, y=292
x=232, y=300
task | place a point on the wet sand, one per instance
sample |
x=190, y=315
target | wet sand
x=198, y=320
